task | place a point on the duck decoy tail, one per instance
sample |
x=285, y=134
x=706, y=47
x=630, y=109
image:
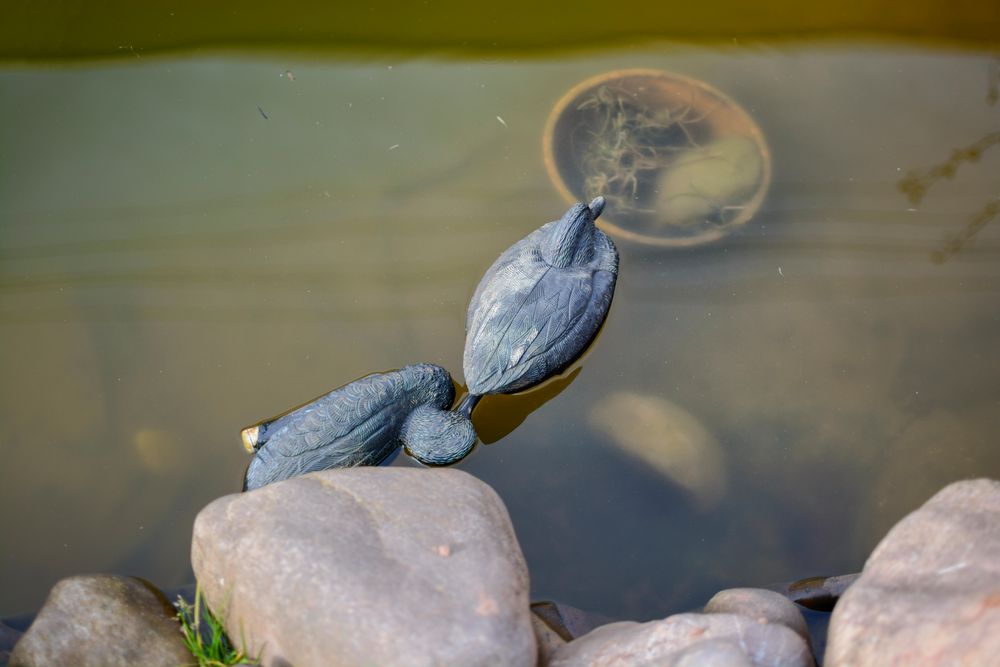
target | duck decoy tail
x=596, y=207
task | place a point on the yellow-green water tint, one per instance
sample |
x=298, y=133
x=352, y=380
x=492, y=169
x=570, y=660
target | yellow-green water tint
x=120, y=28
x=190, y=243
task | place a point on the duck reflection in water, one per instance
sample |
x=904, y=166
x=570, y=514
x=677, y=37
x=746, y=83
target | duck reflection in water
x=499, y=415
x=363, y=423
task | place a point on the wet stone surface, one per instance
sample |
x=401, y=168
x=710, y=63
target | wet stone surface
x=103, y=621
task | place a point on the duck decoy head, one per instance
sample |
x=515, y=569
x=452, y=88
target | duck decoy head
x=571, y=239
x=438, y=437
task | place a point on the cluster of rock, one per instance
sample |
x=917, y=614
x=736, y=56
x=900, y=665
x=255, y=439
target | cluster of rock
x=400, y=566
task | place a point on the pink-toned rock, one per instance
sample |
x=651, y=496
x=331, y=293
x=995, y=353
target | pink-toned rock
x=368, y=566
x=930, y=592
x=759, y=604
x=687, y=640
x=712, y=653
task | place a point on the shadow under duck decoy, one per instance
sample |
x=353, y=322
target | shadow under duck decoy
x=539, y=305
x=362, y=423
x=499, y=415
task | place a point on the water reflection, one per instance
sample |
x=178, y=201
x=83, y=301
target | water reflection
x=158, y=450
x=952, y=439
x=667, y=438
x=169, y=257
x=497, y=415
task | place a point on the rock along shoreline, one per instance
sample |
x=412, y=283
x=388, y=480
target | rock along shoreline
x=402, y=566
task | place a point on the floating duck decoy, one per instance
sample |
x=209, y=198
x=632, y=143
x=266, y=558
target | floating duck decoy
x=539, y=305
x=363, y=423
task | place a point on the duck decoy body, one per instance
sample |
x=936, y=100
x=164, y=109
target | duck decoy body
x=539, y=305
x=362, y=423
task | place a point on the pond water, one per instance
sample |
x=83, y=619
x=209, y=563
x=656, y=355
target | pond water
x=192, y=242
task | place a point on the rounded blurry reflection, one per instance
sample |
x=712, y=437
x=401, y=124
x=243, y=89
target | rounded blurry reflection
x=157, y=450
x=667, y=438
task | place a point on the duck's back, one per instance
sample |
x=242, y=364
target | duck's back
x=357, y=424
x=528, y=320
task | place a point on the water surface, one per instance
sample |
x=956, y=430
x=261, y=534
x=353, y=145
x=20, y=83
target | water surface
x=192, y=242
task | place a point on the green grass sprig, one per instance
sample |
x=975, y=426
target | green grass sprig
x=218, y=651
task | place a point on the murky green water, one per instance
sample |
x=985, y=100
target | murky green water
x=190, y=243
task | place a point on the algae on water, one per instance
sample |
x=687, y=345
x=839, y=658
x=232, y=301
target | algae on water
x=626, y=144
x=675, y=160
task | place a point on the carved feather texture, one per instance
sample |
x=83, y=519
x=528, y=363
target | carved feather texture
x=357, y=424
x=529, y=320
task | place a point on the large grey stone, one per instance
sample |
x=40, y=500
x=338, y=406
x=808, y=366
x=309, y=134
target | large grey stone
x=930, y=592
x=368, y=566
x=676, y=640
x=759, y=604
x=103, y=621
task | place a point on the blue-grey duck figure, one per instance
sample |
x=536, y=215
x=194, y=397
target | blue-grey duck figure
x=363, y=423
x=539, y=305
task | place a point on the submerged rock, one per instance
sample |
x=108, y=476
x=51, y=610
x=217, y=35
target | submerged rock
x=103, y=621
x=816, y=593
x=703, y=181
x=548, y=640
x=556, y=623
x=687, y=639
x=930, y=592
x=667, y=438
x=368, y=566
x=567, y=621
